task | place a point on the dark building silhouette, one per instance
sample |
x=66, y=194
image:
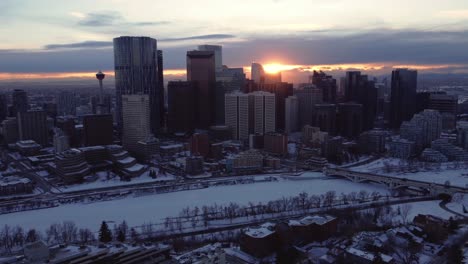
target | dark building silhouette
x=136, y=72
x=350, y=120
x=162, y=109
x=105, y=107
x=200, y=145
x=3, y=107
x=51, y=109
x=403, y=96
x=325, y=118
x=281, y=90
x=20, y=101
x=97, y=130
x=181, y=106
x=359, y=89
x=201, y=71
x=32, y=125
x=327, y=84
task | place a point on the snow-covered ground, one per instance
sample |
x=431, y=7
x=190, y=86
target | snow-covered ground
x=425, y=208
x=446, y=172
x=457, y=204
x=102, y=181
x=154, y=208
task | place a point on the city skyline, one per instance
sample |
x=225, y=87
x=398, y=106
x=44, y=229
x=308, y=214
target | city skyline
x=71, y=39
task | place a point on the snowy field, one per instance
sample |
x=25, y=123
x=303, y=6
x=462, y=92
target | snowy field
x=428, y=207
x=102, y=181
x=154, y=208
x=456, y=177
x=457, y=204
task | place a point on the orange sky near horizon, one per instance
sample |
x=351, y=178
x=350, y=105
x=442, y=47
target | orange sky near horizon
x=269, y=68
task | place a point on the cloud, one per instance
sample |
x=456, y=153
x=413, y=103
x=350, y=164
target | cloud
x=378, y=47
x=211, y=36
x=110, y=19
x=85, y=44
x=457, y=14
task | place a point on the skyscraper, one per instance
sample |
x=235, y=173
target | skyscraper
x=3, y=107
x=403, y=96
x=291, y=114
x=66, y=103
x=327, y=84
x=308, y=97
x=350, y=119
x=162, y=110
x=237, y=114
x=201, y=71
x=257, y=73
x=20, y=101
x=218, y=54
x=325, y=118
x=252, y=113
x=136, y=120
x=33, y=125
x=281, y=90
x=181, y=112
x=97, y=130
x=358, y=89
x=136, y=72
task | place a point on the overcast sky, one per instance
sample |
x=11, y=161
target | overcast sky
x=75, y=36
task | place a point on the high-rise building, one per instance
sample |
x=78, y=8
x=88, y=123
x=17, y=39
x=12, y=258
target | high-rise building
x=264, y=112
x=136, y=72
x=462, y=134
x=237, y=114
x=227, y=81
x=9, y=130
x=181, y=116
x=162, y=105
x=97, y=130
x=67, y=125
x=359, y=89
x=3, y=107
x=101, y=108
x=66, y=103
x=308, y=97
x=327, y=84
x=291, y=114
x=60, y=141
x=32, y=125
x=250, y=113
x=201, y=71
x=257, y=73
x=136, y=120
x=218, y=54
x=325, y=118
x=20, y=101
x=281, y=90
x=350, y=119
x=403, y=96
x=422, y=129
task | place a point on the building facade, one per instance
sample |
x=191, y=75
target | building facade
x=136, y=120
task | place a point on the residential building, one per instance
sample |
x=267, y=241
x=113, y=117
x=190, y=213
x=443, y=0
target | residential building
x=401, y=148
x=71, y=166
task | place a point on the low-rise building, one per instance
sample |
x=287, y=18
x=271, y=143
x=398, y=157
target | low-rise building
x=28, y=147
x=312, y=228
x=275, y=143
x=194, y=165
x=452, y=152
x=71, y=166
x=15, y=185
x=432, y=155
x=372, y=142
x=250, y=161
x=260, y=241
x=401, y=148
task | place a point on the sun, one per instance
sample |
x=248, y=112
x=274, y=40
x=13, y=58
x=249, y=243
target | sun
x=274, y=67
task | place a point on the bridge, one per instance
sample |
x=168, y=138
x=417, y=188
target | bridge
x=395, y=182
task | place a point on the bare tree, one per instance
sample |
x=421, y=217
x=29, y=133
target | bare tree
x=405, y=212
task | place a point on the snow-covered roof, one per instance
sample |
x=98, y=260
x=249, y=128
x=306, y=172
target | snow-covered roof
x=312, y=219
x=262, y=231
x=367, y=255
